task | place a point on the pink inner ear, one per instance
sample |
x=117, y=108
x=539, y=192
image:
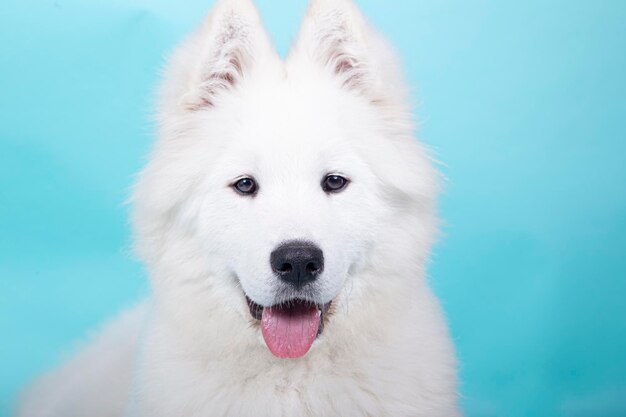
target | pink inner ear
x=226, y=77
x=335, y=49
x=236, y=64
x=223, y=78
x=350, y=71
x=343, y=65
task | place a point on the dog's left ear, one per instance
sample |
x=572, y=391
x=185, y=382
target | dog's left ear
x=336, y=38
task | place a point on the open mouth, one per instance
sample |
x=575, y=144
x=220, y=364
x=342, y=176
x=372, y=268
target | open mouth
x=289, y=329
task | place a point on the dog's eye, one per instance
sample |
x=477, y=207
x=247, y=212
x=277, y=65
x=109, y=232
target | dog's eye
x=334, y=183
x=246, y=186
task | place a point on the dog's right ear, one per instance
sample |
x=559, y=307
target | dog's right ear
x=228, y=47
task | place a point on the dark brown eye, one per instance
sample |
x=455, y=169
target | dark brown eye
x=334, y=183
x=245, y=186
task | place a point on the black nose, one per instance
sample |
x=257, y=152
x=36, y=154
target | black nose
x=297, y=263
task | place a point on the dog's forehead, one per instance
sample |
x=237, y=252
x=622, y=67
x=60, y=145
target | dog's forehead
x=293, y=114
x=288, y=151
x=288, y=125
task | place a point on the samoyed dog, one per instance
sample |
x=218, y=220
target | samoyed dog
x=285, y=217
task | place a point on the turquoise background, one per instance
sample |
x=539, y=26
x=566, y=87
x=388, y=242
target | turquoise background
x=523, y=101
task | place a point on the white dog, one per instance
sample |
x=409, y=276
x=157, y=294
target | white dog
x=285, y=216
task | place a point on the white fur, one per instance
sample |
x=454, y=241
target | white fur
x=229, y=107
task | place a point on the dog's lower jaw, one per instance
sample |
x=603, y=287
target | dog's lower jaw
x=353, y=370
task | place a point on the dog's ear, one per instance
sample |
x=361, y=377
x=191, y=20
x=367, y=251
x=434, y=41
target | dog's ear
x=228, y=47
x=337, y=39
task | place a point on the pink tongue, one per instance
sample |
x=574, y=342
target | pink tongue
x=289, y=331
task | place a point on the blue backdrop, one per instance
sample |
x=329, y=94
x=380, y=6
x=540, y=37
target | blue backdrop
x=523, y=101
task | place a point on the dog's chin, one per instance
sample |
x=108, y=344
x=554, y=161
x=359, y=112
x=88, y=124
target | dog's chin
x=290, y=327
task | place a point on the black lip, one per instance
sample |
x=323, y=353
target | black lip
x=256, y=311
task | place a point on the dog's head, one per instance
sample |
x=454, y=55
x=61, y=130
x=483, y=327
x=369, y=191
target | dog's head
x=275, y=183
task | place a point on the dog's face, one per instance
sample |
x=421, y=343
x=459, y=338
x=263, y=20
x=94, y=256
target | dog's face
x=289, y=207
x=280, y=179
